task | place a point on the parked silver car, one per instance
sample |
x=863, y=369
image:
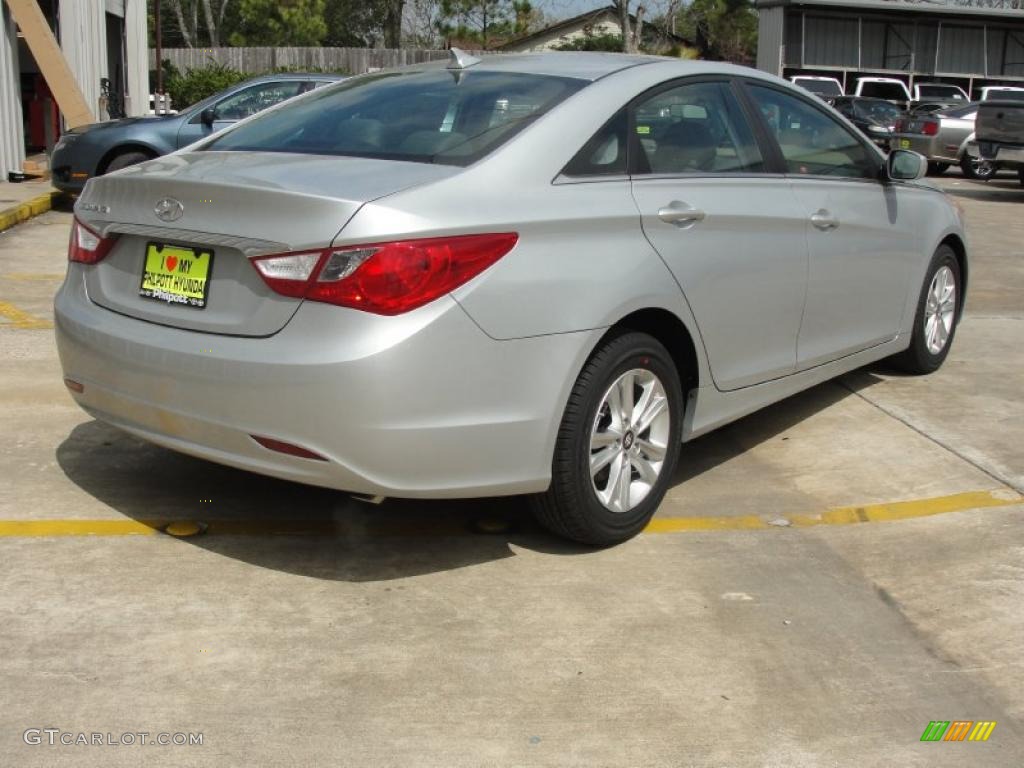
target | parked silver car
x=943, y=137
x=532, y=274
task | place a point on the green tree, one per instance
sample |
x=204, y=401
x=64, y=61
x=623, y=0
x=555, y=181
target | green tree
x=588, y=41
x=485, y=22
x=280, y=23
x=353, y=23
x=724, y=29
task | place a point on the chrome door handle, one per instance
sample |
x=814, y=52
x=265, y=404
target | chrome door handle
x=680, y=214
x=824, y=220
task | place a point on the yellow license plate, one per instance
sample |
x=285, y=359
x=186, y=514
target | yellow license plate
x=176, y=275
x=904, y=143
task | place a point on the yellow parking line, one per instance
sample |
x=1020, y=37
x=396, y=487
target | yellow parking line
x=902, y=510
x=21, y=319
x=45, y=528
x=869, y=513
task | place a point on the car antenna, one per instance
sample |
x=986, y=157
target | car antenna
x=458, y=62
x=459, y=59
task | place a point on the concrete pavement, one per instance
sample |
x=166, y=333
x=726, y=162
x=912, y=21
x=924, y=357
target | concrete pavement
x=399, y=635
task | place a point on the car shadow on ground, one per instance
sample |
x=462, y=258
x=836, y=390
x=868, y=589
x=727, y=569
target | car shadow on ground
x=327, y=534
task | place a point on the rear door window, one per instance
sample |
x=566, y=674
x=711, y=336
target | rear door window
x=695, y=128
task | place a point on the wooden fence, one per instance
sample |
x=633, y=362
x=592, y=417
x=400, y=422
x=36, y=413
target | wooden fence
x=258, y=60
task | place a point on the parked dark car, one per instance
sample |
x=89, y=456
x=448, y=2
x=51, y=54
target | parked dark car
x=876, y=118
x=92, y=150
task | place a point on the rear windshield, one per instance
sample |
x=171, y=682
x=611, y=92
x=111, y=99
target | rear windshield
x=883, y=91
x=967, y=110
x=824, y=87
x=451, y=117
x=881, y=112
x=941, y=92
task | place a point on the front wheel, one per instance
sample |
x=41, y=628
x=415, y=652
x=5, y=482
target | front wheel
x=617, y=445
x=938, y=312
x=126, y=159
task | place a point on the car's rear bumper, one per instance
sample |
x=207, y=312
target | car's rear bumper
x=931, y=147
x=1001, y=153
x=421, y=405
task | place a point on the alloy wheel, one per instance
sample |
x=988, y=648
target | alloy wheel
x=629, y=440
x=939, y=310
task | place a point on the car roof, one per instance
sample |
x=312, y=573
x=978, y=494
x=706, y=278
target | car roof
x=586, y=65
x=294, y=76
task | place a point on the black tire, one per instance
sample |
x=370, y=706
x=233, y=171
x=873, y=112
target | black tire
x=1020, y=176
x=570, y=507
x=125, y=159
x=937, y=169
x=918, y=358
x=976, y=169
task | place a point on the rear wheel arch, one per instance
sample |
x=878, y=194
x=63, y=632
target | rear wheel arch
x=671, y=332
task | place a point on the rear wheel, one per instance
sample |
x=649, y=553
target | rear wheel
x=617, y=445
x=125, y=159
x=976, y=168
x=937, y=169
x=938, y=311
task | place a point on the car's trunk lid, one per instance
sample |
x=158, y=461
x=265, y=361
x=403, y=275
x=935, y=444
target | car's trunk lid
x=237, y=205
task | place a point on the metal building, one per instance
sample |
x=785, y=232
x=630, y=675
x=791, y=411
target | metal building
x=100, y=40
x=965, y=42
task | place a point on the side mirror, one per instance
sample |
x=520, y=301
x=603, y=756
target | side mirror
x=904, y=165
x=207, y=116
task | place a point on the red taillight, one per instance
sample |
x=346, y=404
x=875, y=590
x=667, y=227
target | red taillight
x=86, y=246
x=930, y=127
x=384, y=278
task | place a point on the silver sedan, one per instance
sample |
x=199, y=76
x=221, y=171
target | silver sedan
x=531, y=274
x=944, y=137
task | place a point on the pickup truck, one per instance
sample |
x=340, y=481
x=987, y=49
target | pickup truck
x=999, y=134
x=928, y=98
x=888, y=88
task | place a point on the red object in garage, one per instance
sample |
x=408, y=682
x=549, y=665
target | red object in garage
x=42, y=108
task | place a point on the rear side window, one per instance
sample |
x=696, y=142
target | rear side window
x=695, y=128
x=605, y=153
x=812, y=142
x=431, y=116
